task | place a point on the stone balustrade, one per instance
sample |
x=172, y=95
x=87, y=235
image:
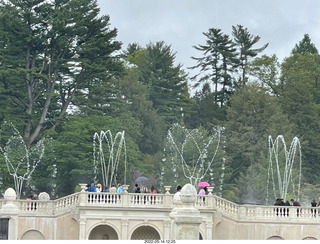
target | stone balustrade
x=137, y=200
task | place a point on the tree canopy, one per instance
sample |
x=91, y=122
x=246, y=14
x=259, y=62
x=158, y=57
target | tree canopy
x=64, y=76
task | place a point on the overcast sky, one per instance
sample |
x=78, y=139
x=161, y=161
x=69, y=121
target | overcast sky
x=181, y=23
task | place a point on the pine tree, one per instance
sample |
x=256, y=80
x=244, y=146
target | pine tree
x=217, y=64
x=167, y=82
x=52, y=51
x=305, y=46
x=245, y=42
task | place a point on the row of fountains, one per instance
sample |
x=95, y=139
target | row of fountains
x=190, y=156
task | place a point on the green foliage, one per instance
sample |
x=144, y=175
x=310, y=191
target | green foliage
x=245, y=43
x=305, y=46
x=253, y=115
x=217, y=64
x=252, y=184
x=166, y=82
x=73, y=147
x=61, y=77
x=52, y=51
x=300, y=100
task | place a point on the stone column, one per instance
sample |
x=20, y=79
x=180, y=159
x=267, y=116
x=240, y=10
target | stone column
x=11, y=211
x=167, y=201
x=124, y=229
x=125, y=198
x=83, y=198
x=82, y=229
x=187, y=218
x=166, y=230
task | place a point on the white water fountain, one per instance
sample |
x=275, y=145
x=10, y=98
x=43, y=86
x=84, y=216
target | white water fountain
x=284, y=172
x=192, y=154
x=20, y=160
x=107, y=155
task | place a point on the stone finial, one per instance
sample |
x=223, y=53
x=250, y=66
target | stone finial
x=188, y=194
x=10, y=194
x=9, y=207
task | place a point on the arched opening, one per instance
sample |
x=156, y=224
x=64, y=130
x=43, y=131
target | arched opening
x=309, y=238
x=145, y=233
x=32, y=235
x=275, y=238
x=103, y=232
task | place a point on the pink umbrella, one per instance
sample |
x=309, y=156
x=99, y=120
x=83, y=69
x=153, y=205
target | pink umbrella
x=203, y=184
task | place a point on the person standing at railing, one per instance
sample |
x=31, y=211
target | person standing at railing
x=91, y=188
x=279, y=202
x=287, y=203
x=313, y=205
x=153, y=198
x=113, y=189
x=297, y=204
x=99, y=188
x=202, y=192
x=120, y=188
x=177, y=195
x=135, y=188
x=136, y=198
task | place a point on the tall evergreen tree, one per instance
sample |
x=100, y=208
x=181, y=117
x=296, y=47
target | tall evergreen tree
x=305, y=46
x=300, y=101
x=266, y=72
x=252, y=116
x=245, y=42
x=217, y=64
x=51, y=51
x=167, y=82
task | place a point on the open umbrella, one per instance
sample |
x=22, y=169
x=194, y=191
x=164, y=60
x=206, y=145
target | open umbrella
x=203, y=184
x=44, y=196
x=141, y=178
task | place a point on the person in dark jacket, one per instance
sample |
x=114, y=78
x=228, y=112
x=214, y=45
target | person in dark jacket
x=296, y=204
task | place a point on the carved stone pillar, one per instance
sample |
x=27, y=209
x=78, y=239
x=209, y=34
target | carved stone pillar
x=82, y=229
x=187, y=218
x=124, y=229
x=11, y=211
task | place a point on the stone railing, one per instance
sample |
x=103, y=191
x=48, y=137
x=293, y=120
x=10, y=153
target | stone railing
x=142, y=200
x=36, y=206
x=66, y=202
x=126, y=199
x=283, y=213
x=226, y=206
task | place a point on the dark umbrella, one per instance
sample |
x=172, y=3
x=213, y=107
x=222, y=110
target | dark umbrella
x=141, y=178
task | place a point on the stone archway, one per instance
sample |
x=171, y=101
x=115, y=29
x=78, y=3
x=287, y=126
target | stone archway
x=103, y=232
x=309, y=238
x=145, y=233
x=275, y=238
x=32, y=235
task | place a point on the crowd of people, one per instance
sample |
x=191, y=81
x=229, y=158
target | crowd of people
x=99, y=188
x=119, y=188
x=280, y=202
x=33, y=197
